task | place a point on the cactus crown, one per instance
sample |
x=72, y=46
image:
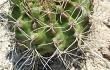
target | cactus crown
x=50, y=25
x=48, y=28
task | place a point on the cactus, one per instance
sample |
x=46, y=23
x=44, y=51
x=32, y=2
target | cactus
x=50, y=25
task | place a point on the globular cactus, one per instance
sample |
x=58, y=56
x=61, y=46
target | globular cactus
x=50, y=25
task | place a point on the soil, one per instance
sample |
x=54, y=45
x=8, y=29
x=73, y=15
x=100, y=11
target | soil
x=6, y=42
x=99, y=39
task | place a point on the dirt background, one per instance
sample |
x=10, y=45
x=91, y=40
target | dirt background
x=98, y=41
x=96, y=45
x=6, y=37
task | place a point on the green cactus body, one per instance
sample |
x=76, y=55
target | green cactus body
x=50, y=24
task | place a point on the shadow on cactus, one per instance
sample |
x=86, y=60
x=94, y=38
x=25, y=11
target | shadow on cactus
x=49, y=27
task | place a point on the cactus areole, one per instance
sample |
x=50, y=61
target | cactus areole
x=50, y=25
